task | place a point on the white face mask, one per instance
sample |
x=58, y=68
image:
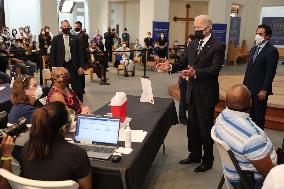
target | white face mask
x=124, y=45
x=38, y=92
x=149, y=36
x=258, y=39
x=162, y=36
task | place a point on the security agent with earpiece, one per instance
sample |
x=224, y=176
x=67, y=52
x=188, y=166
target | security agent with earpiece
x=260, y=72
x=201, y=66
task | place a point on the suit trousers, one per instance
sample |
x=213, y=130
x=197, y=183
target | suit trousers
x=76, y=82
x=258, y=110
x=182, y=102
x=200, y=122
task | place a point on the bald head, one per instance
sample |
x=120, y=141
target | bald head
x=238, y=97
x=57, y=71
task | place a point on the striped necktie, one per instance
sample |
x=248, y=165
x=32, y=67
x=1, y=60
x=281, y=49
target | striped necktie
x=255, y=53
x=199, y=48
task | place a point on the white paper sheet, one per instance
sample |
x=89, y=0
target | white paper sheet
x=147, y=94
x=136, y=135
x=124, y=150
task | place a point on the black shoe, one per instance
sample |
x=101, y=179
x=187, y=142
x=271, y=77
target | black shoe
x=126, y=75
x=204, y=166
x=183, y=121
x=190, y=160
x=83, y=92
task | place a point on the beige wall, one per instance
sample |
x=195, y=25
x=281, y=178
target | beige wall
x=132, y=16
x=177, y=8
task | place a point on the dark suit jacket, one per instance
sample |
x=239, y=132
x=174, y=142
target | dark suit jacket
x=207, y=65
x=260, y=74
x=57, y=52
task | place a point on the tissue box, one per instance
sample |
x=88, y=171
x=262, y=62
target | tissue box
x=118, y=106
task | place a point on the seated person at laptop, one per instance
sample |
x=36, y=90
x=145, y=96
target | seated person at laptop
x=47, y=156
x=25, y=93
x=60, y=91
x=249, y=143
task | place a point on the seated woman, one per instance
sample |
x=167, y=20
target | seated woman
x=47, y=156
x=60, y=91
x=25, y=93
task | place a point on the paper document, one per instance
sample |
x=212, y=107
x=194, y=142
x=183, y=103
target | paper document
x=136, y=135
x=147, y=94
x=124, y=150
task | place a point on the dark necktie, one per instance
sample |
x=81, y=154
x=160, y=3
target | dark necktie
x=199, y=47
x=255, y=53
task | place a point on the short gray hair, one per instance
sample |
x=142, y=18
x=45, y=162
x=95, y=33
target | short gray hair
x=205, y=19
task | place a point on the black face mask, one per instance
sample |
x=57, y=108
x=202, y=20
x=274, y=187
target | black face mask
x=77, y=29
x=66, y=30
x=199, y=34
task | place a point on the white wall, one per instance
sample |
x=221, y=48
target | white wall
x=48, y=15
x=21, y=13
x=146, y=18
x=132, y=16
x=99, y=16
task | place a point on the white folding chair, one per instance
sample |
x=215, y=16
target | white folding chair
x=228, y=158
x=17, y=182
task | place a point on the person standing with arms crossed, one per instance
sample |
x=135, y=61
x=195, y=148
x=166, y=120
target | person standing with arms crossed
x=66, y=51
x=201, y=64
x=260, y=72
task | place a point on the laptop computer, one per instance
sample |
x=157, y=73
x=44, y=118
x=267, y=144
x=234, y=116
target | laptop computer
x=97, y=135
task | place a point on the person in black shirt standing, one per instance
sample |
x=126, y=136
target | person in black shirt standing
x=125, y=37
x=163, y=43
x=108, y=36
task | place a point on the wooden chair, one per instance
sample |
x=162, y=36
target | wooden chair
x=137, y=59
x=45, y=61
x=90, y=73
x=120, y=67
x=235, y=53
x=46, y=74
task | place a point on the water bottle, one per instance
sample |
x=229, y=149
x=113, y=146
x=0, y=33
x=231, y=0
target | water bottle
x=128, y=137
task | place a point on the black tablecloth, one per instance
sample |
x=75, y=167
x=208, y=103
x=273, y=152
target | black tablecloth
x=132, y=170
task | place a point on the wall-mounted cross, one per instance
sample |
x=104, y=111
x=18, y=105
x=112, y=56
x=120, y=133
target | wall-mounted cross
x=186, y=19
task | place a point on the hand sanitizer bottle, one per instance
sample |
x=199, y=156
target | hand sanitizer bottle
x=128, y=137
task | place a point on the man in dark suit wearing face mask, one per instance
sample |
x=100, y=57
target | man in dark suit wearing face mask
x=260, y=73
x=201, y=65
x=66, y=51
x=83, y=38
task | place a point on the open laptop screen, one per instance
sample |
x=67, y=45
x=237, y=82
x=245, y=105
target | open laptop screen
x=97, y=129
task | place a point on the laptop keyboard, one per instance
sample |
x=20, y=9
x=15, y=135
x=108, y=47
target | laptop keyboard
x=96, y=148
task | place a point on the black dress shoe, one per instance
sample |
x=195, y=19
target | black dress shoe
x=204, y=166
x=189, y=160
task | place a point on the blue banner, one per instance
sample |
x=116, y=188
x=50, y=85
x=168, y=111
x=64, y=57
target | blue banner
x=219, y=31
x=235, y=26
x=277, y=26
x=159, y=27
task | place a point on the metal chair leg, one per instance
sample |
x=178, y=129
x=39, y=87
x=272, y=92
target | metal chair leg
x=221, y=183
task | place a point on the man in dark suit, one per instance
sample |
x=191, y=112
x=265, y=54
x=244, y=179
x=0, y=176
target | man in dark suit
x=260, y=73
x=66, y=51
x=108, y=36
x=83, y=39
x=201, y=65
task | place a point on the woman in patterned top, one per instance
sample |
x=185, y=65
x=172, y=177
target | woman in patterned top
x=60, y=91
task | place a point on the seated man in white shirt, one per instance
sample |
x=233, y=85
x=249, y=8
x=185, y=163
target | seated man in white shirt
x=125, y=58
x=250, y=144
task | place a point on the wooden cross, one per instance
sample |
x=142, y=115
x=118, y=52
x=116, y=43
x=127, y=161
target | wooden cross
x=186, y=19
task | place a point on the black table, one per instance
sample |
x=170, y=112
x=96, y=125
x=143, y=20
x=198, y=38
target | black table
x=132, y=170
